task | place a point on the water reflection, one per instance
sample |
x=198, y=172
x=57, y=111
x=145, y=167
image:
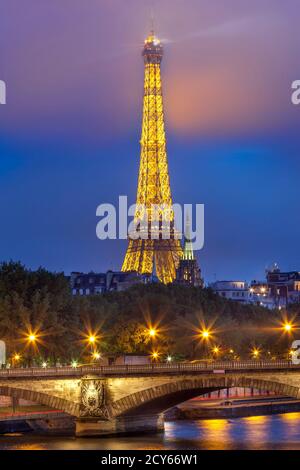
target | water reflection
x=259, y=432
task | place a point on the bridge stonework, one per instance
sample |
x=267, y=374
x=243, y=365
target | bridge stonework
x=60, y=394
x=104, y=404
x=137, y=404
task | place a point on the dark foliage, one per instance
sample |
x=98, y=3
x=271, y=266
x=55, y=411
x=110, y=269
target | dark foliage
x=40, y=302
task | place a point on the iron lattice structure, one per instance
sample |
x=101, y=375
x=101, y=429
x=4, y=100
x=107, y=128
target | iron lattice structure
x=158, y=242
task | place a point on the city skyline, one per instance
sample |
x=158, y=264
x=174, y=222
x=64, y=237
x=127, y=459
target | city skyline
x=69, y=133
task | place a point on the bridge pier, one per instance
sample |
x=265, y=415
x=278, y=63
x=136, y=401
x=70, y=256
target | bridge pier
x=140, y=424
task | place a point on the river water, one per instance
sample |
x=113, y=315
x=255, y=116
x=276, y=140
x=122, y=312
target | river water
x=259, y=432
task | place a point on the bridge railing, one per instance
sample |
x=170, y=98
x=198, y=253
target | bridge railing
x=180, y=367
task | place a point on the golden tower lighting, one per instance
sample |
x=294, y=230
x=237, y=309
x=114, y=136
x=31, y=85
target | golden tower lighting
x=153, y=183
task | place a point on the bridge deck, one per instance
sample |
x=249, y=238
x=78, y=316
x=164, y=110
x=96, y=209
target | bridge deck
x=149, y=369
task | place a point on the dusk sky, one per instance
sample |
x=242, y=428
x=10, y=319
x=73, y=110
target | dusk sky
x=69, y=133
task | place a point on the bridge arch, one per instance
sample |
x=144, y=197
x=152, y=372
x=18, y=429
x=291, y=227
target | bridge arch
x=162, y=397
x=41, y=398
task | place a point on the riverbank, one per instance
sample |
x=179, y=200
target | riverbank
x=41, y=420
x=232, y=408
x=54, y=422
x=274, y=432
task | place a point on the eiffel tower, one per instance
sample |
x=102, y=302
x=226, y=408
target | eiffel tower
x=156, y=248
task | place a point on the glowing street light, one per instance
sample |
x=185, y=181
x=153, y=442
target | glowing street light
x=169, y=358
x=216, y=350
x=205, y=334
x=287, y=327
x=44, y=365
x=16, y=358
x=96, y=355
x=155, y=355
x=152, y=332
x=32, y=338
x=255, y=353
x=92, y=339
x=74, y=364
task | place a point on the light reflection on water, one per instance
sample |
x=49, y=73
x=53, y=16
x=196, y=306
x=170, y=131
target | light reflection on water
x=258, y=432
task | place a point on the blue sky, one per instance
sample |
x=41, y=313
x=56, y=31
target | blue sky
x=69, y=134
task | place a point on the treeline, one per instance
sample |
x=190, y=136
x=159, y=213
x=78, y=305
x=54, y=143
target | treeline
x=40, y=304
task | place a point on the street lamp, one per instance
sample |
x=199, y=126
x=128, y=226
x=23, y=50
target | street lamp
x=169, y=359
x=96, y=356
x=287, y=327
x=16, y=358
x=205, y=334
x=255, y=353
x=31, y=338
x=152, y=332
x=155, y=355
x=92, y=339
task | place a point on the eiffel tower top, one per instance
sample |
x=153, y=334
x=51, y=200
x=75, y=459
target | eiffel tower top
x=153, y=49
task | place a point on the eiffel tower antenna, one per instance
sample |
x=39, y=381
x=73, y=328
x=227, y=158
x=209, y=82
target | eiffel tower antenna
x=152, y=28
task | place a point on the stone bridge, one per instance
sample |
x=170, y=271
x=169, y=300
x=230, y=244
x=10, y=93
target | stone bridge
x=123, y=399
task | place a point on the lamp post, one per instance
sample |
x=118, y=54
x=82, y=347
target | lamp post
x=288, y=327
x=31, y=338
x=96, y=355
x=152, y=332
x=16, y=359
x=205, y=336
x=155, y=356
x=92, y=339
x=216, y=351
x=255, y=353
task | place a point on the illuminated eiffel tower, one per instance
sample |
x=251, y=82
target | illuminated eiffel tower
x=155, y=246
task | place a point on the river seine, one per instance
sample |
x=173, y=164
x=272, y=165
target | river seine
x=259, y=432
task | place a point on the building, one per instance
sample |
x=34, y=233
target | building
x=188, y=271
x=278, y=290
x=284, y=287
x=259, y=294
x=232, y=290
x=99, y=283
